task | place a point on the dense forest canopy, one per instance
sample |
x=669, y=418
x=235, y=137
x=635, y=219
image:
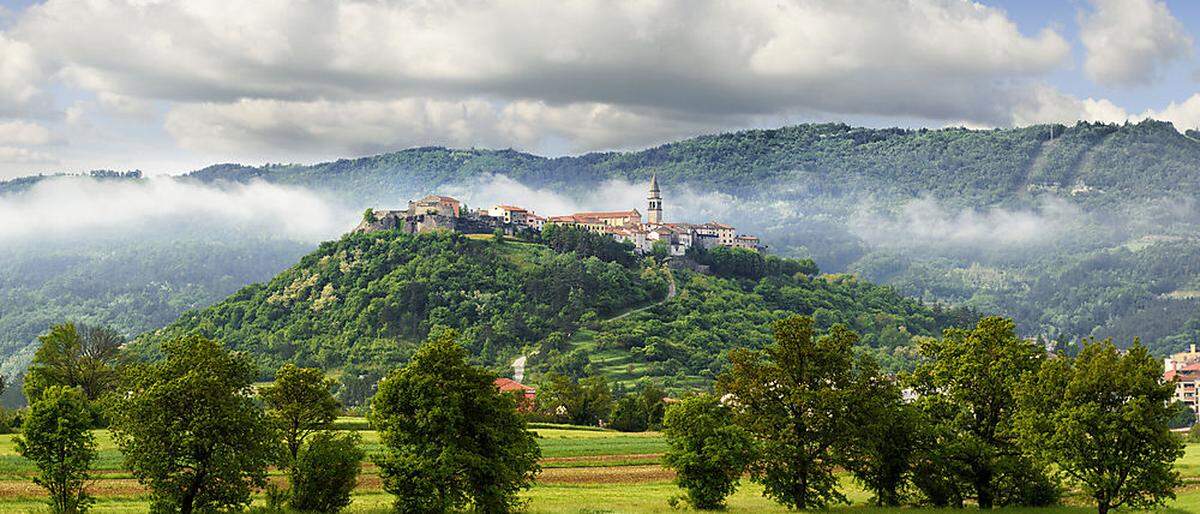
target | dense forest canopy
x=366, y=301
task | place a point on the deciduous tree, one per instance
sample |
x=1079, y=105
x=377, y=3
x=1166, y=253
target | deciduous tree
x=301, y=402
x=451, y=438
x=190, y=431
x=967, y=389
x=75, y=356
x=325, y=472
x=799, y=398
x=706, y=449
x=1103, y=418
x=55, y=437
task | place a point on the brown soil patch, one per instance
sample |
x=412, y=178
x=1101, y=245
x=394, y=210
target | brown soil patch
x=606, y=475
x=605, y=458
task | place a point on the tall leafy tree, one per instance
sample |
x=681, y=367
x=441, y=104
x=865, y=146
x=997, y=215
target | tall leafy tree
x=882, y=453
x=301, y=402
x=451, y=438
x=967, y=386
x=1103, y=418
x=706, y=449
x=800, y=398
x=55, y=437
x=75, y=356
x=190, y=430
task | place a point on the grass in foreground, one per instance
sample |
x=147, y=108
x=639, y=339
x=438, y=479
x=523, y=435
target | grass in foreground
x=628, y=499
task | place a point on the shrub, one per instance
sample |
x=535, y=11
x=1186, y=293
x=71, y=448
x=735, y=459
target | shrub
x=326, y=471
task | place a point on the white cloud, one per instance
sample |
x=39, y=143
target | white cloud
x=925, y=221
x=1184, y=115
x=23, y=133
x=20, y=75
x=79, y=206
x=257, y=127
x=1045, y=104
x=21, y=155
x=1129, y=42
x=597, y=74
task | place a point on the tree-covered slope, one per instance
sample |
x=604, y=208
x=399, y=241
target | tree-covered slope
x=972, y=167
x=367, y=300
x=130, y=284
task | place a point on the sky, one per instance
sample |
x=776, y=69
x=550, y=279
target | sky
x=171, y=86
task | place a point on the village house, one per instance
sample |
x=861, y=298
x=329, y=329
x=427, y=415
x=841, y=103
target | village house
x=1184, y=369
x=435, y=204
x=509, y=213
x=526, y=395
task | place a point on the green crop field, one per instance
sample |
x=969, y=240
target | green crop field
x=586, y=471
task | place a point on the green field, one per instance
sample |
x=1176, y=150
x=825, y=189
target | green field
x=586, y=471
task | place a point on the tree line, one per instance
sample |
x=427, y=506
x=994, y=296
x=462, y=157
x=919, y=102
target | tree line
x=985, y=417
x=196, y=432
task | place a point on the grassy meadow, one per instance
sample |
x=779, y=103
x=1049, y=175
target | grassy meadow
x=586, y=471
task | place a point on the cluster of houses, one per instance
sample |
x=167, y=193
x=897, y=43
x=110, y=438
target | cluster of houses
x=1184, y=368
x=437, y=212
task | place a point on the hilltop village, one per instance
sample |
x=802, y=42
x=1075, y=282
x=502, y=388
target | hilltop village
x=436, y=212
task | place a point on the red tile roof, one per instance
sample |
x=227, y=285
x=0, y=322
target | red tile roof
x=608, y=214
x=507, y=384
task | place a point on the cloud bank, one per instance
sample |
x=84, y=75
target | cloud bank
x=683, y=203
x=78, y=206
x=926, y=222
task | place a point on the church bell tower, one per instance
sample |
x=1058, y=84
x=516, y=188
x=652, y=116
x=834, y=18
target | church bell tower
x=654, y=213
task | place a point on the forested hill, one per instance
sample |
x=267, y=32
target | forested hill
x=367, y=300
x=975, y=167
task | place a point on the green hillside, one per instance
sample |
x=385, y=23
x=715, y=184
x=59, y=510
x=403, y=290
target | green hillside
x=367, y=300
x=1116, y=266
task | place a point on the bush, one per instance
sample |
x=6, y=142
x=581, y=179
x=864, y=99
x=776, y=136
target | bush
x=326, y=472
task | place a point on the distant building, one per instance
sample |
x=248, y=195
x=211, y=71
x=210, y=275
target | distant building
x=747, y=242
x=527, y=396
x=535, y=222
x=509, y=213
x=723, y=233
x=437, y=212
x=599, y=222
x=654, y=212
x=435, y=204
x=1184, y=369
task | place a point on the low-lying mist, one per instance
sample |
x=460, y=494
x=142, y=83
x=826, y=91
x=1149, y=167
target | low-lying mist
x=74, y=207
x=683, y=203
x=926, y=222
